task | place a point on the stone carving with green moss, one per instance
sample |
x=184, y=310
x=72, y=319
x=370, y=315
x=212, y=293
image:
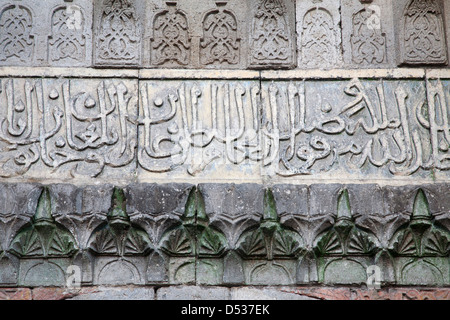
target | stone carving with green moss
x=43, y=237
x=118, y=236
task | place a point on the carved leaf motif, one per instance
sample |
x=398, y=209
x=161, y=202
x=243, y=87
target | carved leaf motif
x=220, y=42
x=329, y=244
x=285, y=244
x=253, y=245
x=104, y=243
x=211, y=243
x=62, y=244
x=437, y=243
x=368, y=45
x=136, y=242
x=171, y=42
x=405, y=244
x=67, y=40
x=318, y=38
x=27, y=243
x=178, y=243
x=360, y=243
x=119, y=32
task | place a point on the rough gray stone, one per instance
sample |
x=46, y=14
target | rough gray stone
x=105, y=293
x=265, y=293
x=192, y=293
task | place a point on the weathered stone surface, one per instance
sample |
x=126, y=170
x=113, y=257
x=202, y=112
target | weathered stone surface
x=120, y=293
x=368, y=34
x=250, y=293
x=192, y=293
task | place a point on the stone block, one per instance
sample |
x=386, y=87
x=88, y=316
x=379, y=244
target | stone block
x=51, y=33
x=43, y=272
x=108, y=294
x=411, y=34
x=319, y=42
x=119, y=271
x=276, y=272
x=368, y=34
x=192, y=293
x=118, y=31
x=266, y=293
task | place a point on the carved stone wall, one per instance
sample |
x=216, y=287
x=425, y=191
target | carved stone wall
x=225, y=144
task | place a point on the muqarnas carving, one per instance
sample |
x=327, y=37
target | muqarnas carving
x=120, y=247
x=171, y=42
x=195, y=249
x=118, y=33
x=421, y=248
x=270, y=251
x=16, y=38
x=44, y=247
x=422, y=34
x=271, y=41
x=220, y=43
x=344, y=251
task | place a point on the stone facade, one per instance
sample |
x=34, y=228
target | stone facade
x=159, y=146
